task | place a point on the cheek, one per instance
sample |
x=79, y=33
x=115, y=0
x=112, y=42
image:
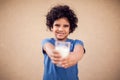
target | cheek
x=53, y=30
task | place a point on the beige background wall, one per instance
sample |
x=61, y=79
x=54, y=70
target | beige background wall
x=22, y=27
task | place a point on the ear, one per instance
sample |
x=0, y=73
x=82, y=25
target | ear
x=51, y=28
x=69, y=31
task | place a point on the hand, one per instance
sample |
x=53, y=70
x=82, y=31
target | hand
x=55, y=57
x=69, y=61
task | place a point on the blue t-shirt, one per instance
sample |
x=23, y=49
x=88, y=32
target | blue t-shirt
x=53, y=72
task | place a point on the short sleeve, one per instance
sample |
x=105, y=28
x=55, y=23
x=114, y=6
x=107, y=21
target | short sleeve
x=47, y=40
x=80, y=43
x=44, y=41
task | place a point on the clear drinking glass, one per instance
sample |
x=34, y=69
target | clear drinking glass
x=63, y=48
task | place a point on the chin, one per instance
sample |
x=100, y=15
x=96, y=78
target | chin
x=61, y=39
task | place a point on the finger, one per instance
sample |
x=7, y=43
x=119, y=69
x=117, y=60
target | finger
x=65, y=65
x=64, y=61
x=55, y=60
x=56, y=54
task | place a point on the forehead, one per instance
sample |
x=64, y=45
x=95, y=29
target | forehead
x=62, y=20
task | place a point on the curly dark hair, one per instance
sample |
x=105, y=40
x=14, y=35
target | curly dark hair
x=61, y=11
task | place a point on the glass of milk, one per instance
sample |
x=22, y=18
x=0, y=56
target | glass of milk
x=63, y=48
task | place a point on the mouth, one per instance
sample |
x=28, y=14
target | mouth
x=60, y=34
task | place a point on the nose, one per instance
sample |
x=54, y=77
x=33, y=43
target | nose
x=61, y=28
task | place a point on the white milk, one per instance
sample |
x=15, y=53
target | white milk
x=63, y=50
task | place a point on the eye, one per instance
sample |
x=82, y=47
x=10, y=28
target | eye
x=57, y=25
x=66, y=26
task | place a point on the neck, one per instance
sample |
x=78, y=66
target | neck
x=61, y=39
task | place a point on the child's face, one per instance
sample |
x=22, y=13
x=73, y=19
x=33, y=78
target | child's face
x=61, y=29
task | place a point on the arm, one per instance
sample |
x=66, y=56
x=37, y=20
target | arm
x=74, y=57
x=52, y=53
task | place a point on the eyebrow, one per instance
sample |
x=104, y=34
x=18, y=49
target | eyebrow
x=66, y=25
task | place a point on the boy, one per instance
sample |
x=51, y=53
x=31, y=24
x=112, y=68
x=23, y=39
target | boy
x=62, y=21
